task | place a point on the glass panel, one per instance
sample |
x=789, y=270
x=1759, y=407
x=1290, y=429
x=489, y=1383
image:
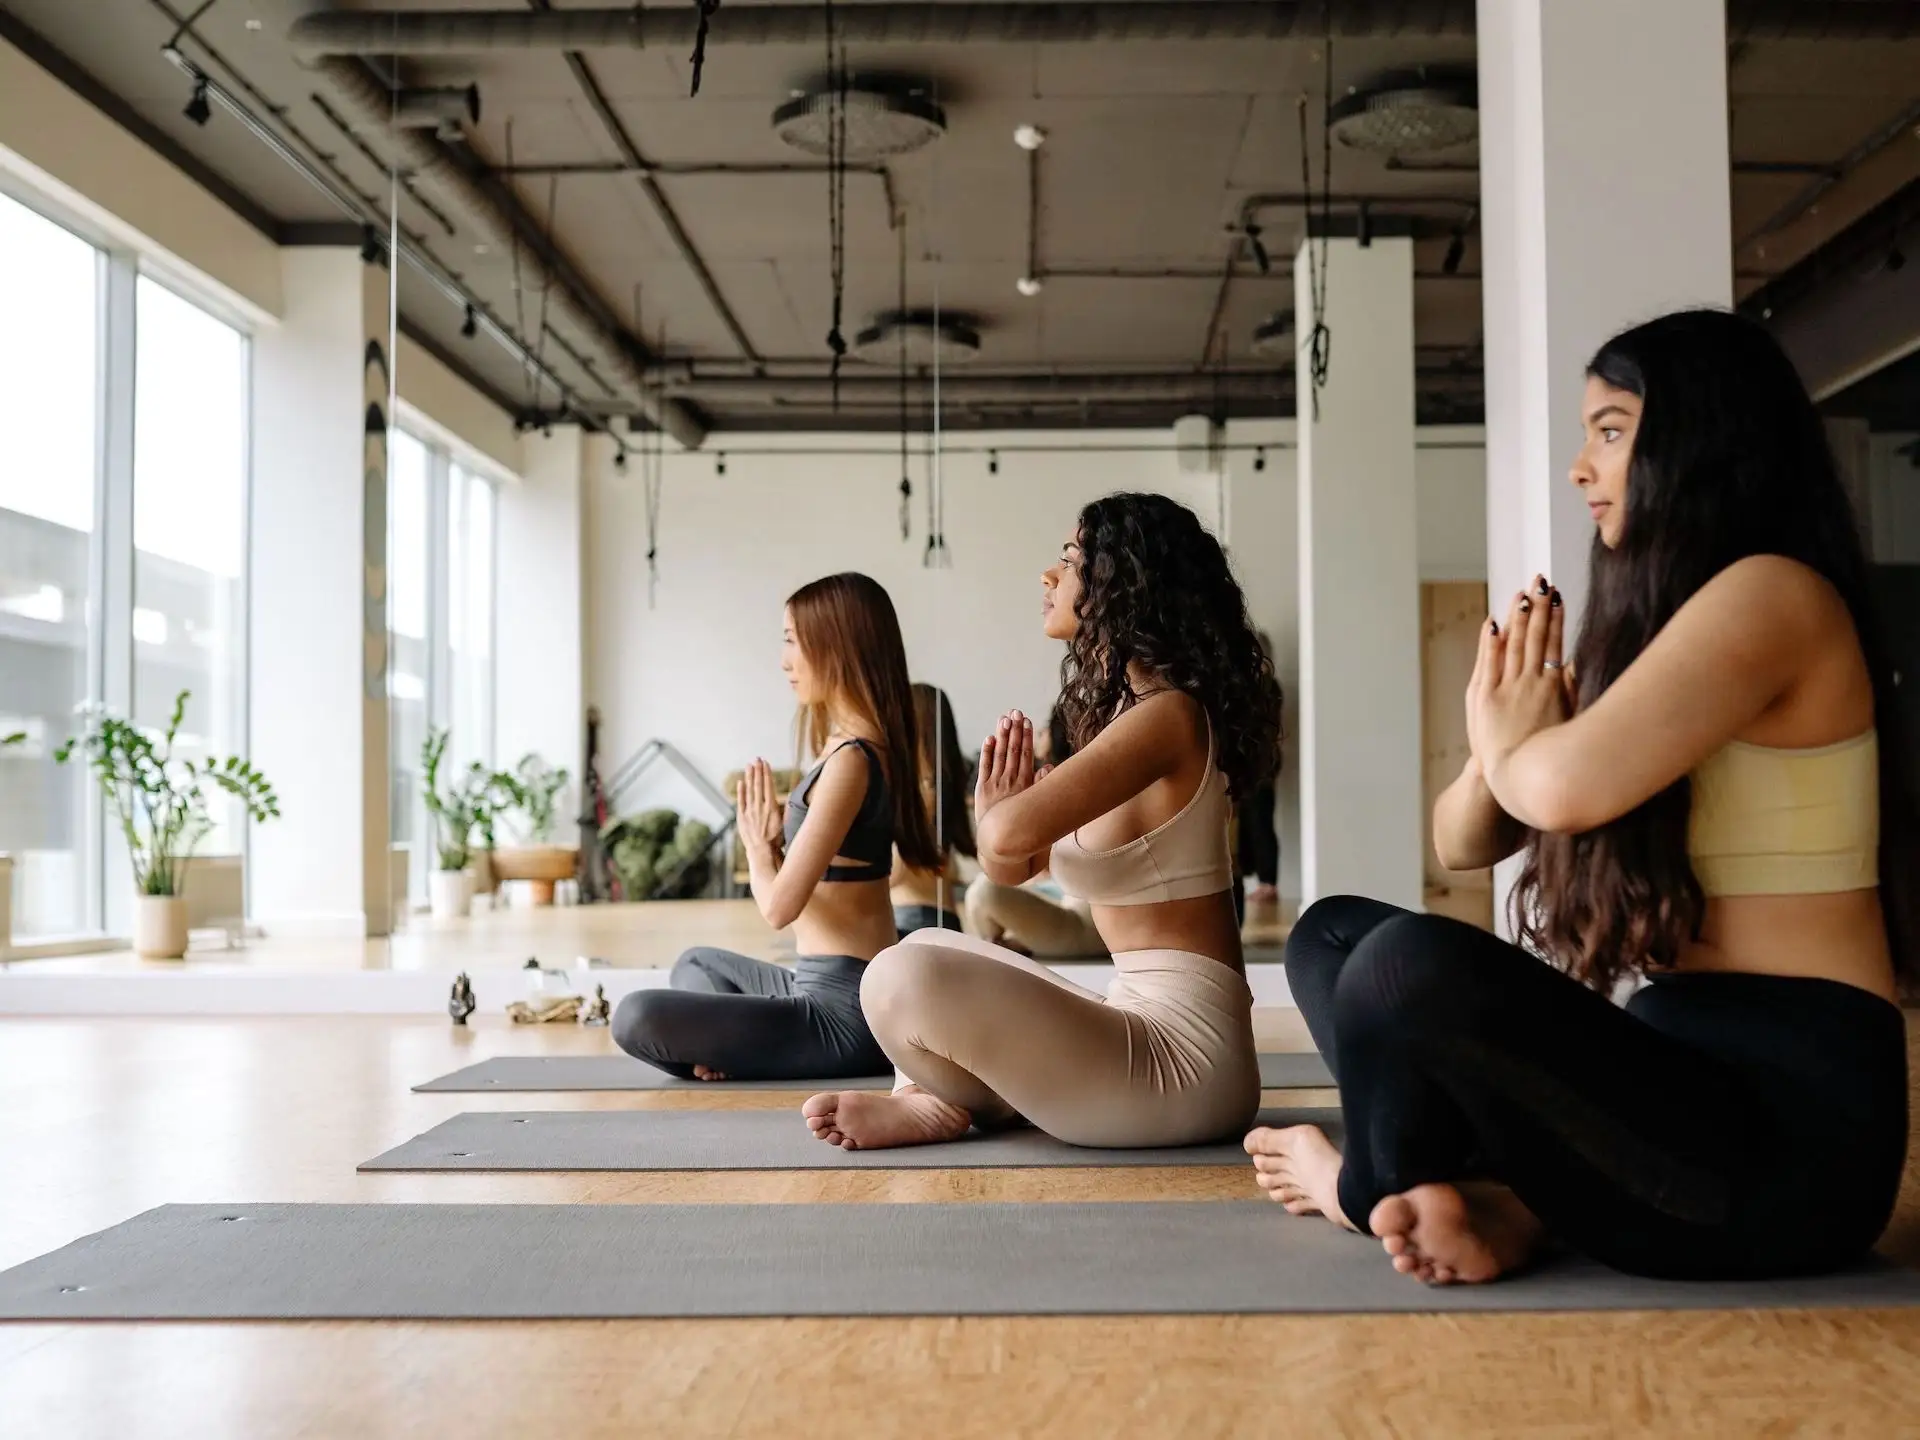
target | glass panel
x=49, y=300
x=189, y=534
x=410, y=668
x=470, y=616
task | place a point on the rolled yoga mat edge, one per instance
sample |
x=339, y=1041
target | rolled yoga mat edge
x=532, y=1074
x=499, y=1262
x=646, y=1140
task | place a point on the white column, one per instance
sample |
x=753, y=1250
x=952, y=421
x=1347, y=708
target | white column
x=317, y=670
x=1361, y=830
x=1595, y=215
x=540, y=635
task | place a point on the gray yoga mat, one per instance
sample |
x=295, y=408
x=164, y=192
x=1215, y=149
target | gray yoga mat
x=753, y=1140
x=497, y=1262
x=509, y=1074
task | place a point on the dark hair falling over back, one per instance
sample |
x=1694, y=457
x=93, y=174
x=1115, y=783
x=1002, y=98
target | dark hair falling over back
x=944, y=781
x=1155, y=587
x=1729, y=460
x=846, y=627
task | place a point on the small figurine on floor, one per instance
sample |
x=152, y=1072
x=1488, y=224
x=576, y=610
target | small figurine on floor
x=461, y=1003
x=596, y=1012
x=548, y=1010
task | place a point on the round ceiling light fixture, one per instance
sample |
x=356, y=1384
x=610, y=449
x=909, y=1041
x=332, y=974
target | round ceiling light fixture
x=883, y=119
x=1029, y=137
x=1407, y=113
x=1274, y=335
x=949, y=339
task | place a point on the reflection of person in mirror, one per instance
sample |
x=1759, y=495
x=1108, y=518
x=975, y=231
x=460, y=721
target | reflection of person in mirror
x=930, y=899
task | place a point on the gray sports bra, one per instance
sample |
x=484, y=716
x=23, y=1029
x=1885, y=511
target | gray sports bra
x=868, y=843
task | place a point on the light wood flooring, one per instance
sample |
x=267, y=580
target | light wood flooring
x=102, y=1119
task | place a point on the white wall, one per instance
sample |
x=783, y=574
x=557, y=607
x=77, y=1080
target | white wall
x=701, y=669
x=538, y=618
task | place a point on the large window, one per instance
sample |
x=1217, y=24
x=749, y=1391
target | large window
x=440, y=543
x=190, y=533
x=49, y=469
x=123, y=509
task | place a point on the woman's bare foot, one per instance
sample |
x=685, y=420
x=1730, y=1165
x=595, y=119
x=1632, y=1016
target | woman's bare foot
x=1447, y=1234
x=1299, y=1167
x=861, y=1120
x=707, y=1072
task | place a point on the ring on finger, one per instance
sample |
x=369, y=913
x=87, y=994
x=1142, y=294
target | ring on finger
x=1552, y=664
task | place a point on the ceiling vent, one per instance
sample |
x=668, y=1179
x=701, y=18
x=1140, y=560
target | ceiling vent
x=1407, y=113
x=1273, y=337
x=950, y=340
x=883, y=119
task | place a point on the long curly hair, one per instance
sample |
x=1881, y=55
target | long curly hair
x=1155, y=588
x=1729, y=460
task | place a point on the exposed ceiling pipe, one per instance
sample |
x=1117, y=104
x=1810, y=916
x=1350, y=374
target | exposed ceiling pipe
x=433, y=170
x=429, y=109
x=415, y=32
x=818, y=391
x=424, y=32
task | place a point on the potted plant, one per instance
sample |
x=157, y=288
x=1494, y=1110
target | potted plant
x=533, y=789
x=464, y=813
x=161, y=804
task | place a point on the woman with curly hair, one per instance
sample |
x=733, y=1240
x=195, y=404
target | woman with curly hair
x=1705, y=803
x=1173, y=710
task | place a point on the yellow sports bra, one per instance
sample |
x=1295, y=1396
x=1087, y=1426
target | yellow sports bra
x=1787, y=822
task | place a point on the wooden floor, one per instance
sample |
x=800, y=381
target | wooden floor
x=101, y=1119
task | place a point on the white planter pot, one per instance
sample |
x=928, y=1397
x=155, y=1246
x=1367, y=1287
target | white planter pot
x=160, y=927
x=451, y=892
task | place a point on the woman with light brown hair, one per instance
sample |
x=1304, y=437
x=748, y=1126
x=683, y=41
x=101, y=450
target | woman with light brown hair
x=824, y=871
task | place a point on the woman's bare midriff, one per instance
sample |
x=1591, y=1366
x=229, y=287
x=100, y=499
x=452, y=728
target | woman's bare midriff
x=1203, y=926
x=846, y=917
x=928, y=887
x=1820, y=937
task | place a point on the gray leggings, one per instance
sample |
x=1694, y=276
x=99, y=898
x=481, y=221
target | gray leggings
x=753, y=1021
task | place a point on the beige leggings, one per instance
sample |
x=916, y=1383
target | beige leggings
x=1044, y=926
x=1167, y=1058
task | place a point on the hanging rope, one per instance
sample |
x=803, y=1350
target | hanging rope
x=836, y=192
x=906, y=481
x=1319, y=346
x=707, y=7
x=653, y=476
x=546, y=290
x=936, y=554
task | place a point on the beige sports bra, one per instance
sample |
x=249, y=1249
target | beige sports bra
x=1183, y=859
x=1787, y=822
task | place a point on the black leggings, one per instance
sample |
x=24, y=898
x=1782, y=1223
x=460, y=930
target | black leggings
x=753, y=1021
x=909, y=918
x=1718, y=1126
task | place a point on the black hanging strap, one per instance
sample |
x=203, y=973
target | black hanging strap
x=707, y=7
x=836, y=192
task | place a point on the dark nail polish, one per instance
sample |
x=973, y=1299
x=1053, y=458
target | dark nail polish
x=1541, y=582
x=1526, y=607
x=1493, y=627
x=1556, y=599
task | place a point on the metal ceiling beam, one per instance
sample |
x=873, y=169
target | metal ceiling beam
x=417, y=32
x=489, y=215
x=656, y=198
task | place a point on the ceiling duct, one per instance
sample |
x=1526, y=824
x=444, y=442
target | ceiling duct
x=1011, y=22
x=949, y=340
x=1273, y=336
x=436, y=176
x=881, y=120
x=1407, y=114
x=440, y=109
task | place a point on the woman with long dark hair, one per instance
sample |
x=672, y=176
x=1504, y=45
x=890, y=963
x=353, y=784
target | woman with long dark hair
x=823, y=871
x=930, y=899
x=1173, y=711
x=1711, y=798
